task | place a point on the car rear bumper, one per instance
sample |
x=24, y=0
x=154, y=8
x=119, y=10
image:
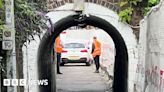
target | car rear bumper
x=81, y=60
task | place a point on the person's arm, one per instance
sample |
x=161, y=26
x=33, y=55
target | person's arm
x=93, y=47
x=54, y=46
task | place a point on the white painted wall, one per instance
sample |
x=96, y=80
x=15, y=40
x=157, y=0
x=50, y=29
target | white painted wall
x=149, y=77
x=98, y=11
x=30, y=63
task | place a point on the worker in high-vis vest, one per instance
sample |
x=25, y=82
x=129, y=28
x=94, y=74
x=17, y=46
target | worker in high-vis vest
x=58, y=50
x=96, y=52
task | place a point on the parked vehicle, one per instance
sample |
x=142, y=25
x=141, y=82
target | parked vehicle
x=75, y=52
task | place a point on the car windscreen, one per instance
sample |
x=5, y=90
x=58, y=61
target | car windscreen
x=74, y=45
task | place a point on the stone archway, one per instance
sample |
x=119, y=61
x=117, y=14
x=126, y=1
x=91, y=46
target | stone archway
x=46, y=45
x=111, y=17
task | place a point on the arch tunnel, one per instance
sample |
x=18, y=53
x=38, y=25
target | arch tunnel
x=46, y=65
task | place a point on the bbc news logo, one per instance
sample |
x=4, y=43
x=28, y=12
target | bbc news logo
x=24, y=82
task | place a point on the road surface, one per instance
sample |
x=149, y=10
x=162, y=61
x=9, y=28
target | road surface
x=80, y=78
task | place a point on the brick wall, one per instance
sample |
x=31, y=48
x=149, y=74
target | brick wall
x=52, y=4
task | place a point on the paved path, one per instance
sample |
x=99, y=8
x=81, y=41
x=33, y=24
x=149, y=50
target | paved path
x=80, y=78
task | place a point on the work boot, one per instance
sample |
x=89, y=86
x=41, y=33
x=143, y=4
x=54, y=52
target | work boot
x=96, y=71
x=59, y=73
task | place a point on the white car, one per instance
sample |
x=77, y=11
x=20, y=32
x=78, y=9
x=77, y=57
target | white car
x=75, y=52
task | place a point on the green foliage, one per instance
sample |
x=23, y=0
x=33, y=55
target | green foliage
x=2, y=17
x=1, y=31
x=128, y=2
x=1, y=27
x=152, y=2
x=121, y=4
x=133, y=1
x=1, y=4
x=146, y=10
x=27, y=21
x=125, y=15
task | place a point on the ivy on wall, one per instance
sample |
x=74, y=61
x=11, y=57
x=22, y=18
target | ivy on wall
x=125, y=15
x=129, y=6
x=1, y=4
x=2, y=17
x=27, y=21
x=151, y=3
x=1, y=12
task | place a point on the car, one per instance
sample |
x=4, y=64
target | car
x=75, y=53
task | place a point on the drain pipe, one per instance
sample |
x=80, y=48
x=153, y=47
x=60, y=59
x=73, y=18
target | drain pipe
x=0, y=73
x=10, y=40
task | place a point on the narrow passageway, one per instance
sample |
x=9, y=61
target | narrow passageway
x=80, y=78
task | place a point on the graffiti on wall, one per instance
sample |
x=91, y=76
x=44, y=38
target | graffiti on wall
x=150, y=69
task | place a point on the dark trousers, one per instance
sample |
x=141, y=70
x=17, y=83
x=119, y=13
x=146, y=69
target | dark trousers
x=58, y=62
x=97, y=63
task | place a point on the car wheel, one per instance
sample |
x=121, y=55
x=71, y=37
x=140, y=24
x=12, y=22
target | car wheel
x=88, y=63
x=62, y=64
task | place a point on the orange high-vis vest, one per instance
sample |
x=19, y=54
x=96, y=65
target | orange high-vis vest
x=97, y=49
x=58, y=47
